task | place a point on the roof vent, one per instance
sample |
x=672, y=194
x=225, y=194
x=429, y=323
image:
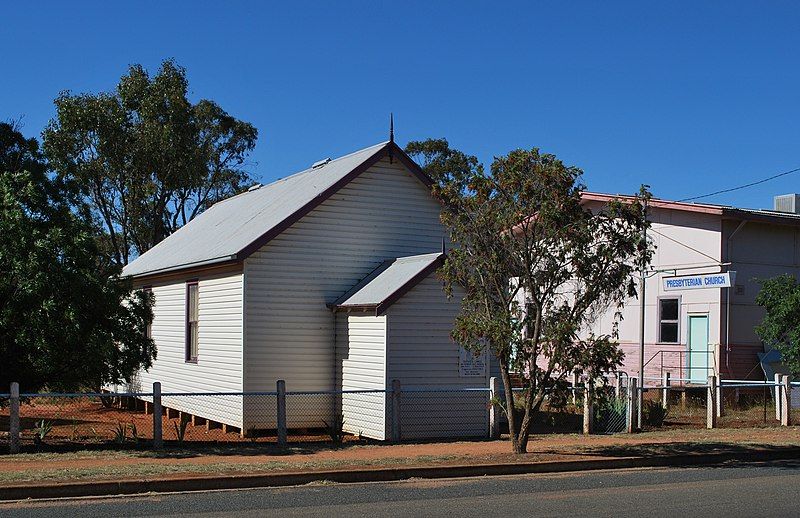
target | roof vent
x=320, y=163
x=788, y=203
x=254, y=187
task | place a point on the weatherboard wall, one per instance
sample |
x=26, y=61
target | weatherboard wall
x=423, y=356
x=219, y=364
x=384, y=213
x=361, y=366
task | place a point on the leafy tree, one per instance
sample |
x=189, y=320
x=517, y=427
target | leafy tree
x=145, y=158
x=67, y=321
x=780, y=328
x=536, y=267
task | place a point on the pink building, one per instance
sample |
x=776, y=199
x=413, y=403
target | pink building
x=695, y=326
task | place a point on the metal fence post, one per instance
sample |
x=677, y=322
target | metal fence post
x=282, y=429
x=665, y=390
x=630, y=413
x=719, y=407
x=618, y=385
x=778, y=396
x=711, y=402
x=494, y=410
x=588, y=407
x=158, y=439
x=13, y=420
x=396, y=411
x=575, y=383
x=786, y=401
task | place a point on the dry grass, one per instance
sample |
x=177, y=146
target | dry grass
x=146, y=470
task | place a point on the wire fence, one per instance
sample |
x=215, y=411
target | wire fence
x=50, y=420
x=611, y=409
x=444, y=413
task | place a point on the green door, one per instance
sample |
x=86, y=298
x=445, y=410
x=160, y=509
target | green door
x=699, y=370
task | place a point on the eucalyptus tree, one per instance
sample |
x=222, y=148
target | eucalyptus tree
x=145, y=158
x=536, y=267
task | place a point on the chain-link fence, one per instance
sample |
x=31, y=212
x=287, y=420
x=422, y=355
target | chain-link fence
x=748, y=404
x=725, y=404
x=611, y=408
x=432, y=413
x=399, y=413
x=561, y=411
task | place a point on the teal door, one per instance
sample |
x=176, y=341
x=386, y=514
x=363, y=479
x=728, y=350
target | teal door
x=698, y=359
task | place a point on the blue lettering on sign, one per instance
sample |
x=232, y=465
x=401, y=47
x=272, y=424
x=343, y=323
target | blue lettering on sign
x=685, y=282
x=699, y=281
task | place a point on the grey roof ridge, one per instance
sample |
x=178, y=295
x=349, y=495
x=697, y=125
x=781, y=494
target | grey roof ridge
x=301, y=173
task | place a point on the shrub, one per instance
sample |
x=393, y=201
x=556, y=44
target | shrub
x=180, y=430
x=654, y=413
x=134, y=433
x=336, y=429
x=120, y=433
x=610, y=414
x=43, y=428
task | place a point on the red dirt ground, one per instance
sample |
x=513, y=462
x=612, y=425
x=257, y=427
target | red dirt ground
x=541, y=448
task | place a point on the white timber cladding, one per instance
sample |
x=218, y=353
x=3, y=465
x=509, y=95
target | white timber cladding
x=219, y=362
x=422, y=355
x=361, y=365
x=382, y=214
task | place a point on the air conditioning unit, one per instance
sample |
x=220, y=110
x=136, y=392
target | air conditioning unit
x=788, y=203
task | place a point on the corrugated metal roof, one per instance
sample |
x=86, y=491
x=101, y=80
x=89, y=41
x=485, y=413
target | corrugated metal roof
x=230, y=226
x=788, y=216
x=389, y=281
x=766, y=215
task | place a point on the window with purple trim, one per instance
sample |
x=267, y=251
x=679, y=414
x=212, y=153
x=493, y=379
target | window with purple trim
x=148, y=332
x=192, y=320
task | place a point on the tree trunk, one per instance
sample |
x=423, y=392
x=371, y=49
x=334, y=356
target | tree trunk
x=517, y=446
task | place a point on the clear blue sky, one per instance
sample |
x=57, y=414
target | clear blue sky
x=688, y=97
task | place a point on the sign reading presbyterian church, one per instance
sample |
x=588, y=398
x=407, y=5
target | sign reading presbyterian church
x=698, y=282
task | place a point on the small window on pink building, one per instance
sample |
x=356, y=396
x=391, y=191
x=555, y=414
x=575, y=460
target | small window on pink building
x=668, y=320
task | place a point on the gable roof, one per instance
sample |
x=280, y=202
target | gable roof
x=232, y=229
x=388, y=282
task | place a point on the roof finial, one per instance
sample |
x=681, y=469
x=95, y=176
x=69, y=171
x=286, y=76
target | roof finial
x=391, y=127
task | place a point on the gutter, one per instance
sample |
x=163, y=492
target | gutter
x=184, y=268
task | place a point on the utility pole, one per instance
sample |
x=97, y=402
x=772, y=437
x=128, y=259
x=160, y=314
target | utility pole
x=642, y=286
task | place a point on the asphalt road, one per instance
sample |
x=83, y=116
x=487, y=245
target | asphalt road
x=769, y=489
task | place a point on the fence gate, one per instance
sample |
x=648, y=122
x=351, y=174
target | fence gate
x=611, y=408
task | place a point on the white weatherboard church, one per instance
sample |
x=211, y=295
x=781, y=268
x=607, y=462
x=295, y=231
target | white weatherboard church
x=325, y=279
